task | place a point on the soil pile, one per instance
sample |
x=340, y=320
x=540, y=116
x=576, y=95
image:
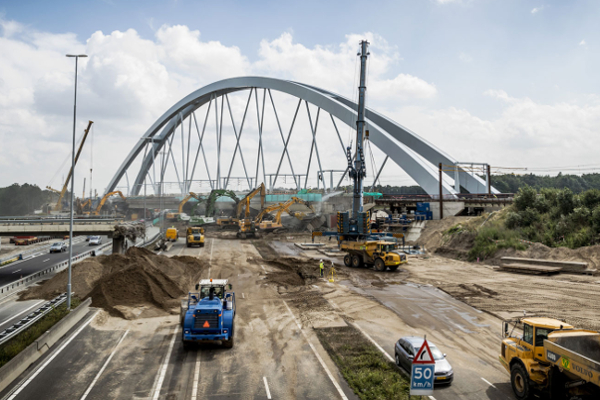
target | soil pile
x=137, y=284
x=432, y=235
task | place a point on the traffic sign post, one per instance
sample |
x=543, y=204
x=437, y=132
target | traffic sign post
x=422, y=372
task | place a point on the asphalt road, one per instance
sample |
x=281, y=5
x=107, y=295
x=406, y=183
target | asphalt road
x=13, y=272
x=272, y=357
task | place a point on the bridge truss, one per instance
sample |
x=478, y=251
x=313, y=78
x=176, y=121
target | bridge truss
x=198, y=143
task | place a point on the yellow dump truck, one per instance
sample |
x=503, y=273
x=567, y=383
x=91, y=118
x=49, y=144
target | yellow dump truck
x=172, y=234
x=379, y=254
x=195, y=236
x=550, y=357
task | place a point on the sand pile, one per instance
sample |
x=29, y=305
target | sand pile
x=137, y=284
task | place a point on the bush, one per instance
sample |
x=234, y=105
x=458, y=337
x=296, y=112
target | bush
x=581, y=215
x=513, y=220
x=566, y=202
x=529, y=216
x=591, y=198
x=595, y=218
x=525, y=198
x=490, y=239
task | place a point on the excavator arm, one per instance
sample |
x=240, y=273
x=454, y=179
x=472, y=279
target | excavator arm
x=244, y=204
x=106, y=196
x=214, y=195
x=186, y=199
x=285, y=207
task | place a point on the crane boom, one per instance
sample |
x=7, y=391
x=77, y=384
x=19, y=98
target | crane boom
x=64, y=189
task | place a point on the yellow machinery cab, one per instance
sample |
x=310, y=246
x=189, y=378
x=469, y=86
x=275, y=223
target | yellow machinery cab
x=195, y=235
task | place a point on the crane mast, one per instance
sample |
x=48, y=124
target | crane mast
x=358, y=171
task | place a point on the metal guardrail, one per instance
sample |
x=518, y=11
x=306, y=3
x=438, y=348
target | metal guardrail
x=22, y=283
x=31, y=318
x=58, y=221
x=26, y=254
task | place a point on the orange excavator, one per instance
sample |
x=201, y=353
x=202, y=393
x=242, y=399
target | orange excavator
x=280, y=208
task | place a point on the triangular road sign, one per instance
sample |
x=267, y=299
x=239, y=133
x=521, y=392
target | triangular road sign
x=424, y=355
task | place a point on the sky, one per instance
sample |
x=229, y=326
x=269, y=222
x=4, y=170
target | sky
x=512, y=83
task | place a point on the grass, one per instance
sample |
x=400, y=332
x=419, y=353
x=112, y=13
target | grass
x=17, y=344
x=492, y=238
x=368, y=373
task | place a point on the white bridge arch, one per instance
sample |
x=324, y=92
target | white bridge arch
x=417, y=157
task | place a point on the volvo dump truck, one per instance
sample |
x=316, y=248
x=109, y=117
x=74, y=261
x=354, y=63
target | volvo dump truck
x=378, y=254
x=194, y=236
x=551, y=358
x=208, y=314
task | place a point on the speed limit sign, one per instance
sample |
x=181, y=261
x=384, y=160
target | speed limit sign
x=422, y=372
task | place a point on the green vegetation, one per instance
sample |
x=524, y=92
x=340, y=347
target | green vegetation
x=17, y=344
x=554, y=217
x=16, y=200
x=510, y=183
x=365, y=369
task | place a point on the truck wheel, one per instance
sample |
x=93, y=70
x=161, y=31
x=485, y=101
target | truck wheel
x=229, y=343
x=357, y=261
x=189, y=245
x=348, y=260
x=393, y=267
x=519, y=381
x=379, y=265
x=201, y=244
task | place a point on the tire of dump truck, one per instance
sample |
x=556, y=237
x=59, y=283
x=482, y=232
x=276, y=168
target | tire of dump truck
x=357, y=261
x=519, y=380
x=393, y=267
x=229, y=343
x=348, y=260
x=379, y=265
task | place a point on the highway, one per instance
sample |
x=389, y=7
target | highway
x=272, y=358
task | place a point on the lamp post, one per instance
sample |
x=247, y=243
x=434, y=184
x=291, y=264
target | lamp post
x=72, y=182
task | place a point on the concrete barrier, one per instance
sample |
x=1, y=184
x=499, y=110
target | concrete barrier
x=15, y=367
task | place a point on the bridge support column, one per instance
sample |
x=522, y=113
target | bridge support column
x=118, y=244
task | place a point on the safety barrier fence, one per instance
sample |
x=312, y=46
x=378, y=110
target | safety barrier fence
x=23, y=282
x=31, y=318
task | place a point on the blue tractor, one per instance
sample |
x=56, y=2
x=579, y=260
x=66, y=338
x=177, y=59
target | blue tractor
x=209, y=313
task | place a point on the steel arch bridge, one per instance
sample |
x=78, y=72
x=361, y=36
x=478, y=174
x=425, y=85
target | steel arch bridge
x=417, y=157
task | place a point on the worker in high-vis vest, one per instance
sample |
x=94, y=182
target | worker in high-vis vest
x=321, y=267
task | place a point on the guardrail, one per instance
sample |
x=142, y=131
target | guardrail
x=22, y=283
x=31, y=318
x=41, y=249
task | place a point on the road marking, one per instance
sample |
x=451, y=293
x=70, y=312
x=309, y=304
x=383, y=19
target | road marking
x=89, y=389
x=489, y=383
x=47, y=259
x=159, y=253
x=212, y=244
x=22, y=312
x=267, y=388
x=49, y=360
x=337, y=386
x=163, y=370
x=196, y=377
x=14, y=272
x=385, y=353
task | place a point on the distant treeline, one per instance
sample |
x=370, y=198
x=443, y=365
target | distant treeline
x=17, y=200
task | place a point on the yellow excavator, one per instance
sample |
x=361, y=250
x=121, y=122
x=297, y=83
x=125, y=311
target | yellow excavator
x=106, y=196
x=186, y=199
x=280, y=208
x=61, y=194
x=245, y=223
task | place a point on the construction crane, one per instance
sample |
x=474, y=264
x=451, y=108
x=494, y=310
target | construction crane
x=58, y=206
x=106, y=196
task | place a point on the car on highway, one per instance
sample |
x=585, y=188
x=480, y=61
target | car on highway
x=95, y=240
x=407, y=347
x=58, y=247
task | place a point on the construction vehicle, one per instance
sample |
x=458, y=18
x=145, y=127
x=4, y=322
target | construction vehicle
x=246, y=225
x=208, y=314
x=212, y=199
x=103, y=201
x=265, y=225
x=551, y=358
x=172, y=234
x=186, y=199
x=58, y=206
x=195, y=236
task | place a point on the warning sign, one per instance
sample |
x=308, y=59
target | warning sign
x=206, y=324
x=424, y=355
x=422, y=372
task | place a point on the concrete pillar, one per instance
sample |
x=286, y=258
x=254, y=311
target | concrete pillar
x=118, y=245
x=456, y=179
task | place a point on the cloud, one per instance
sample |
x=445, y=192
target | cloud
x=129, y=81
x=537, y=9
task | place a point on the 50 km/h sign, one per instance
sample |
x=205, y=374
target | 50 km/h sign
x=422, y=372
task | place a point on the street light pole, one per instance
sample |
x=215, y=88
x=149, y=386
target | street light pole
x=72, y=183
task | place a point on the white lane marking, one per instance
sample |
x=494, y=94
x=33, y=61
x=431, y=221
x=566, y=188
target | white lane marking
x=212, y=244
x=337, y=386
x=267, y=388
x=489, y=383
x=22, y=312
x=431, y=397
x=196, y=377
x=14, y=272
x=385, y=353
x=49, y=360
x=89, y=389
x=163, y=370
x=159, y=253
x=47, y=259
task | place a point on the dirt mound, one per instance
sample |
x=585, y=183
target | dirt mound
x=136, y=284
x=432, y=235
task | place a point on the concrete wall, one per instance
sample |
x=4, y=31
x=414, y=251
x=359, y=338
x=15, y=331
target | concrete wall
x=450, y=208
x=15, y=367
